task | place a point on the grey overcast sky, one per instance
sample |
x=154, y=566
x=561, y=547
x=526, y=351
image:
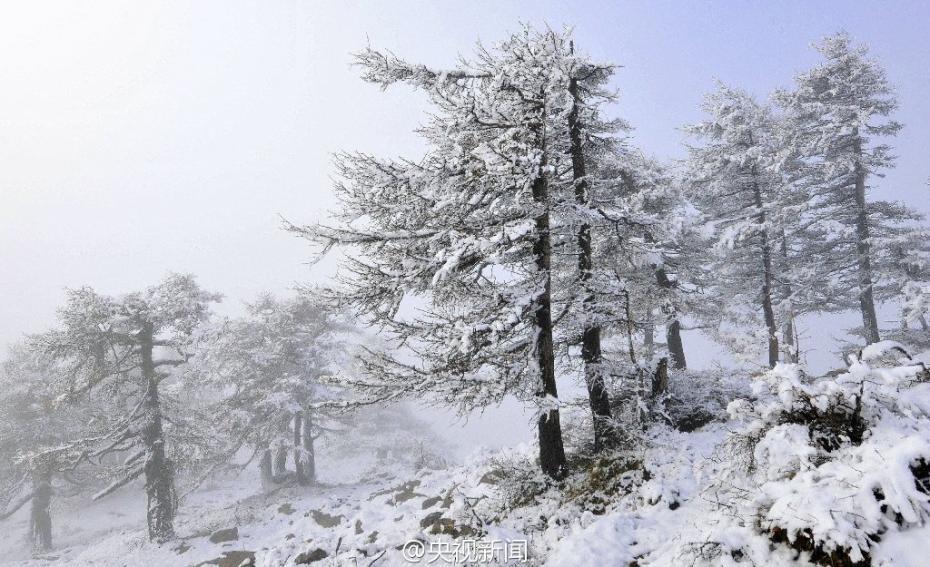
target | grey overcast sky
x=142, y=137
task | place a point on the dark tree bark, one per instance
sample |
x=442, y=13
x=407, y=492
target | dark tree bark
x=40, y=517
x=551, y=450
x=159, y=473
x=676, y=348
x=598, y=397
x=660, y=378
x=864, y=252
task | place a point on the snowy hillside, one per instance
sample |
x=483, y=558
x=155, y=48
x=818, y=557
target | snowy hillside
x=697, y=497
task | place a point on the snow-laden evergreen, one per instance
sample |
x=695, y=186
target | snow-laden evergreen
x=734, y=184
x=125, y=349
x=35, y=442
x=839, y=117
x=465, y=233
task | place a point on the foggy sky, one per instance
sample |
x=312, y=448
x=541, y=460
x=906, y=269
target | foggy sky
x=138, y=138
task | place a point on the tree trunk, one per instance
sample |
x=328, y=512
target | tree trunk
x=673, y=342
x=676, y=348
x=551, y=451
x=280, y=455
x=598, y=398
x=40, y=517
x=660, y=378
x=309, y=452
x=298, y=450
x=791, y=349
x=159, y=473
x=863, y=252
x=768, y=311
x=265, y=470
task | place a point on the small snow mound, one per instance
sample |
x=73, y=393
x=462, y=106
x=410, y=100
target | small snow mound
x=607, y=541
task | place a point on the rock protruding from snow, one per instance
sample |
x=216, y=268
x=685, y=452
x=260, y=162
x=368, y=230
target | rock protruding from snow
x=225, y=535
x=313, y=556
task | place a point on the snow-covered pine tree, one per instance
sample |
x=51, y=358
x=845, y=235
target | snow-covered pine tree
x=36, y=435
x=590, y=138
x=125, y=348
x=265, y=370
x=733, y=184
x=837, y=114
x=463, y=237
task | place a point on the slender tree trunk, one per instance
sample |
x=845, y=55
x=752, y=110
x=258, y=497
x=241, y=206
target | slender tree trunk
x=551, y=451
x=863, y=252
x=309, y=452
x=159, y=473
x=791, y=349
x=768, y=311
x=40, y=517
x=266, y=471
x=298, y=450
x=280, y=455
x=598, y=398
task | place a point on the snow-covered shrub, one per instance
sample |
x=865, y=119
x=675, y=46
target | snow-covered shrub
x=828, y=465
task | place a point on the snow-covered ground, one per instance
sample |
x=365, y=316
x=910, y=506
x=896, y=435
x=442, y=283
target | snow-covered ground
x=360, y=518
x=676, y=500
